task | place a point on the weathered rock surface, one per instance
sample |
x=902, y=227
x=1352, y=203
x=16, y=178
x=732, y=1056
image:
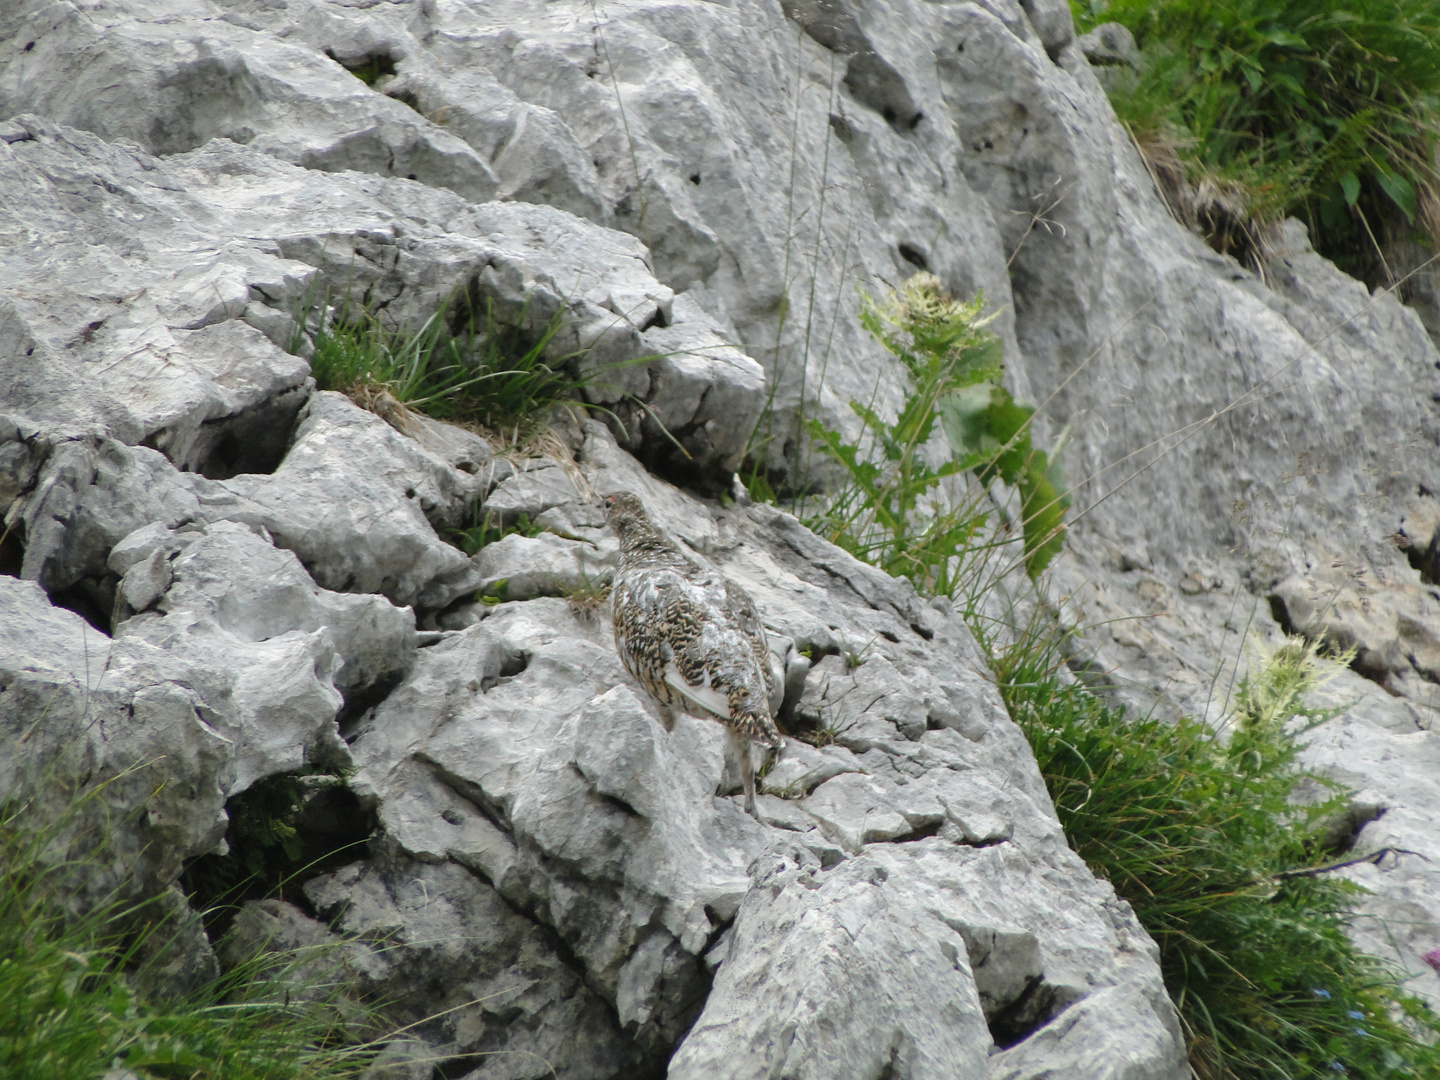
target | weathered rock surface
x=704, y=184
x=181, y=280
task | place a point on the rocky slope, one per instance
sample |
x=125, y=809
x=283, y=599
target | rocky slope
x=266, y=582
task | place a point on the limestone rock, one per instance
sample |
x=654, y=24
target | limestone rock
x=354, y=500
x=258, y=592
x=184, y=367
x=519, y=567
x=1110, y=44
x=718, y=179
x=122, y=714
x=172, y=80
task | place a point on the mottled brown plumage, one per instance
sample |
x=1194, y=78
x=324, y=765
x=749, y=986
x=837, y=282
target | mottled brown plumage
x=691, y=636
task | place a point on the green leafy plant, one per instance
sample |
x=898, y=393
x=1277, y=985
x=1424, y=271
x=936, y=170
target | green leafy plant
x=1200, y=834
x=487, y=529
x=269, y=852
x=1315, y=108
x=895, y=509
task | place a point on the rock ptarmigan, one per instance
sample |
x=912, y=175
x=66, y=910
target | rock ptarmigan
x=691, y=636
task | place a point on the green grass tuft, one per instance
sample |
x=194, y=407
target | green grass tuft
x=1321, y=109
x=70, y=1006
x=492, y=378
x=1200, y=836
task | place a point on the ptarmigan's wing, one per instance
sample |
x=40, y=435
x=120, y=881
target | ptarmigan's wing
x=661, y=621
x=709, y=658
x=742, y=611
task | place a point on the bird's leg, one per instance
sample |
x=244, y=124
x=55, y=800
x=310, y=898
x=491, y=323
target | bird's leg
x=668, y=716
x=747, y=771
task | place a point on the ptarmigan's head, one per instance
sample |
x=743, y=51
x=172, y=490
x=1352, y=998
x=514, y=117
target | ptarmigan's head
x=625, y=513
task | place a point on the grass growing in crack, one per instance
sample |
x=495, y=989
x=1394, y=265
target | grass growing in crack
x=489, y=377
x=587, y=598
x=1314, y=108
x=71, y=997
x=282, y=831
x=1198, y=833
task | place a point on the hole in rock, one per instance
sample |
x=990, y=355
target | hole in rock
x=370, y=68
x=924, y=832
x=1425, y=561
x=1339, y=835
x=1031, y=1010
x=12, y=549
x=407, y=98
x=656, y=319
x=618, y=804
x=513, y=663
x=877, y=85
x=253, y=441
x=459, y=1067
x=659, y=453
x=358, y=703
x=93, y=599
x=914, y=256
x=695, y=179
x=717, y=922
x=283, y=831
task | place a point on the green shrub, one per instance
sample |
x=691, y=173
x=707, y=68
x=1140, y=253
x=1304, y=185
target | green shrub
x=1200, y=836
x=1320, y=109
x=895, y=510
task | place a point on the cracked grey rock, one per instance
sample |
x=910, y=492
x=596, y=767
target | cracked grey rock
x=378, y=535
x=257, y=592
x=121, y=714
x=517, y=567
x=160, y=309
x=439, y=935
x=146, y=299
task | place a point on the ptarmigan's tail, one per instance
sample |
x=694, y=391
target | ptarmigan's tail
x=757, y=726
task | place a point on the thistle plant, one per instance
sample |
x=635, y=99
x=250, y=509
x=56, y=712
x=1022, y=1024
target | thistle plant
x=897, y=510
